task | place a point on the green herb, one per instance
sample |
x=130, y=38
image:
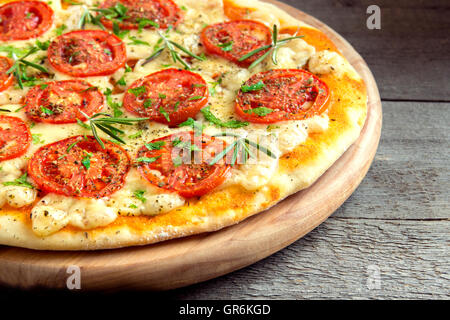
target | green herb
x=21, y=182
x=36, y=137
x=178, y=161
x=228, y=124
x=46, y=111
x=171, y=45
x=164, y=113
x=71, y=146
x=195, y=98
x=115, y=106
x=226, y=46
x=43, y=45
x=183, y=8
x=86, y=161
x=162, y=96
x=20, y=65
x=122, y=81
x=138, y=91
x=132, y=206
x=144, y=22
x=147, y=160
x=148, y=103
x=139, y=194
x=43, y=86
x=136, y=135
x=254, y=87
x=136, y=41
x=120, y=33
x=13, y=50
x=4, y=110
x=88, y=17
x=195, y=125
x=261, y=111
x=273, y=48
x=240, y=145
x=185, y=145
x=60, y=29
x=106, y=124
x=157, y=145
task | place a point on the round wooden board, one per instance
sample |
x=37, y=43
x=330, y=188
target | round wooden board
x=186, y=261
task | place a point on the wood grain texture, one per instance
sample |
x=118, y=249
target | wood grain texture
x=190, y=260
x=409, y=56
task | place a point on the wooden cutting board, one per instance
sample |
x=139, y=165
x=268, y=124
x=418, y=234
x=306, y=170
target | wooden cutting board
x=185, y=261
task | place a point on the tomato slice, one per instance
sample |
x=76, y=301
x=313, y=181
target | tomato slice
x=280, y=95
x=169, y=96
x=22, y=20
x=87, y=53
x=6, y=80
x=79, y=167
x=163, y=12
x=182, y=163
x=234, y=39
x=62, y=101
x=15, y=137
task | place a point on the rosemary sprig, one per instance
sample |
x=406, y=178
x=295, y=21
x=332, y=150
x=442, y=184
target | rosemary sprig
x=88, y=17
x=240, y=145
x=273, y=48
x=105, y=122
x=20, y=65
x=172, y=46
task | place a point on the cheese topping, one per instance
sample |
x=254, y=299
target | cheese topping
x=224, y=78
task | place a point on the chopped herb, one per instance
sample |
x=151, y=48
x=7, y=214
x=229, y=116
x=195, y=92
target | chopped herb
x=136, y=41
x=228, y=124
x=147, y=160
x=136, y=135
x=254, y=87
x=43, y=45
x=138, y=91
x=226, y=46
x=122, y=81
x=164, y=113
x=46, y=111
x=139, y=194
x=86, y=161
x=195, y=125
x=21, y=182
x=60, y=29
x=36, y=137
x=20, y=65
x=148, y=103
x=157, y=145
x=261, y=111
x=162, y=96
x=195, y=98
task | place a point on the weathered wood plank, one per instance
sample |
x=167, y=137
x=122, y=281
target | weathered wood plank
x=334, y=261
x=409, y=56
x=410, y=176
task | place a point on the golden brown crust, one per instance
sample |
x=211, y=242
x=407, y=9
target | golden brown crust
x=297, y=170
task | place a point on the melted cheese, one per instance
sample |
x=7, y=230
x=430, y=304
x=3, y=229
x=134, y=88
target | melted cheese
x=54, y=212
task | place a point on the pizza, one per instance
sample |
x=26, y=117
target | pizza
x=129, y=122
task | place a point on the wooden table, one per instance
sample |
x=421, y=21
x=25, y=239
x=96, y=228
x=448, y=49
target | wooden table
x=397, y=222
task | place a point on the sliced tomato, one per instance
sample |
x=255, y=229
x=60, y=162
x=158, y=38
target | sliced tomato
x=15, y=137
x=181, y=163
x=165, y=13
x=280, y=95
x=169, y=96
x=22, y=20
x=79, y=167
x=234, y=39
x=63, y=101
x=6, y=80
x=87, y=53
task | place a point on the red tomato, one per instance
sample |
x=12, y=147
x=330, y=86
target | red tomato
x=163, y=12
x=6, y=80
x=62, y=101
x=234, y=39
x=87, y=53
x=22, y=20
x=79, y=167
x=282, y=94
x=15, y=137
x=170, y=96
x=182, y=162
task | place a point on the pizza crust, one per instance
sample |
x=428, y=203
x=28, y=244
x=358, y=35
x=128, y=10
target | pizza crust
x=297, y=170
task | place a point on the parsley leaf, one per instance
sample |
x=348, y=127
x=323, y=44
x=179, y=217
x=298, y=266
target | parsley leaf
x=21, y=182
x=254, y=87
x=261, y=111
